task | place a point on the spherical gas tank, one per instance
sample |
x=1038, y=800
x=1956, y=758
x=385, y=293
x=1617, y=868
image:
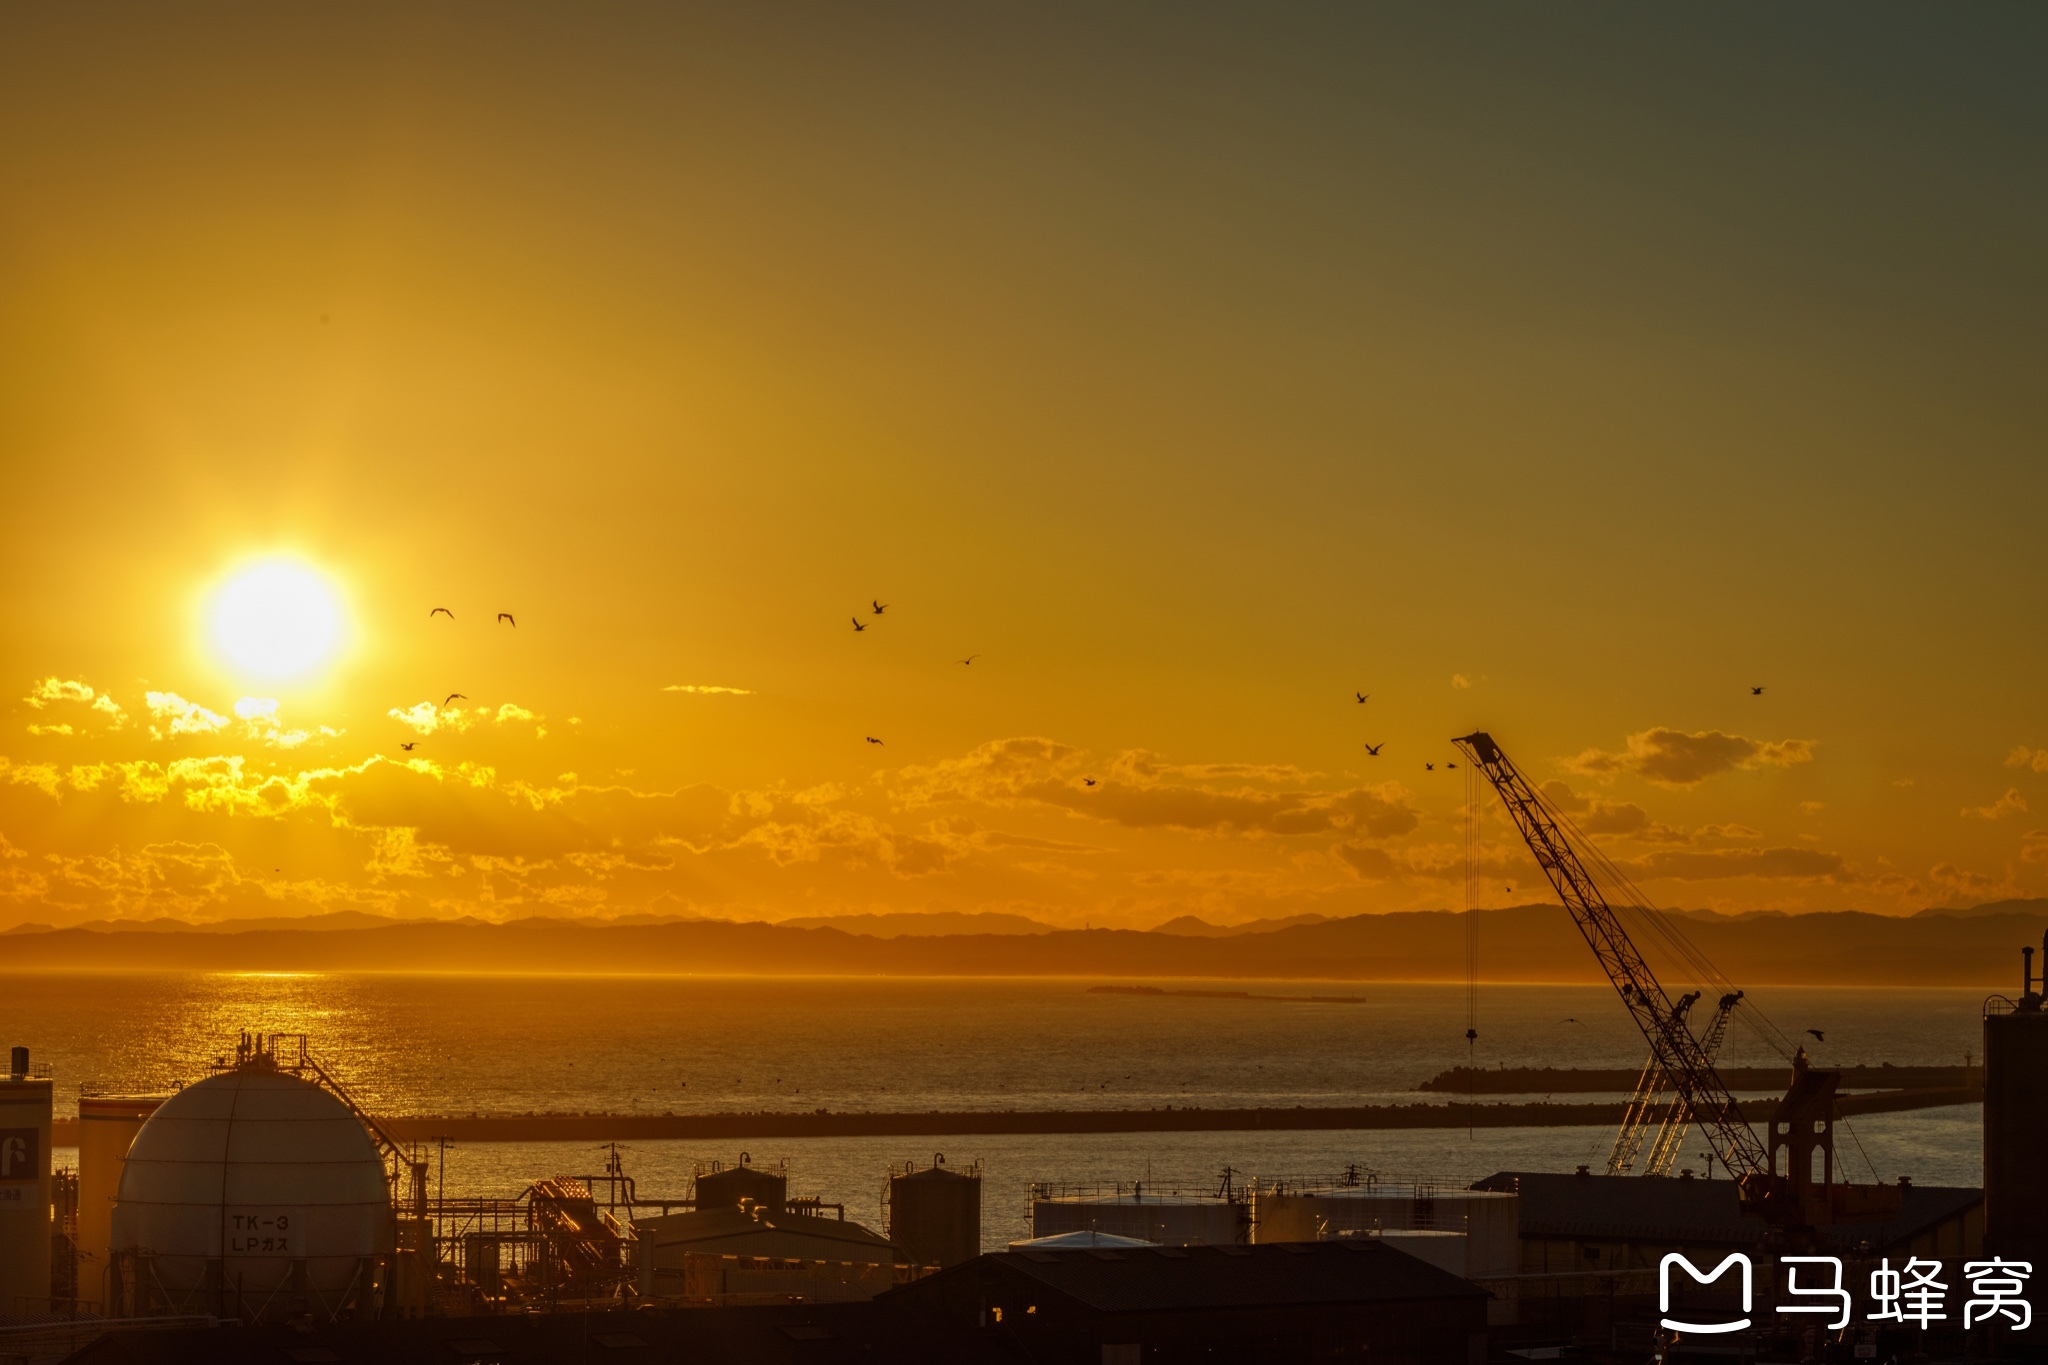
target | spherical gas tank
x=252, y=1193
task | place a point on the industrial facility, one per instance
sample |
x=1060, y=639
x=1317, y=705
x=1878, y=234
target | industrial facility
x=262, y=1213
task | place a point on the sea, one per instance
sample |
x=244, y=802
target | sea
x=407, y=1043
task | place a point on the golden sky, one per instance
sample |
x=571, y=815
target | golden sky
x=1564, y=372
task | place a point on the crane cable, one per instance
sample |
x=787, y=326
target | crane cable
x=1663, y=926
x=1471, y=935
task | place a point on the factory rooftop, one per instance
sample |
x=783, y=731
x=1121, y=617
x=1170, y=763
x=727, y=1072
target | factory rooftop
x=1692, y=1212
x=1198, y=1278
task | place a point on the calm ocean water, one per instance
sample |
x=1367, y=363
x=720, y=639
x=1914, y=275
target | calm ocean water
x=513, y=1044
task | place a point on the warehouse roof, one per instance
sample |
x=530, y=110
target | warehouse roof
x=757, y=1232
x=1183, y=1279
x=1695, y=1211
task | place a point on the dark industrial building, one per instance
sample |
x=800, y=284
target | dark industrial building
x=1305, y=1301
x=1308, y=1302
x=1585, y=1222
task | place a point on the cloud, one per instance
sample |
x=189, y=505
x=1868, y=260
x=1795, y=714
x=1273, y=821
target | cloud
x=1792, y=864
x=1960, y=883
x=261, y=722
x=185, y=717
x=1379, y=812
x=705, y=690
x=2023, y=757
x=1678, y=758
x=2012, y=803
x=1371, y=863
x=1459, y=680
x=1595, y=815
x=55, y=689
x=1141, y=791
x=2034, y=846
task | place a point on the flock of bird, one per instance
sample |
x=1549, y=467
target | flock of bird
x=877, y=607
x=504, y=618
x=1373, y=750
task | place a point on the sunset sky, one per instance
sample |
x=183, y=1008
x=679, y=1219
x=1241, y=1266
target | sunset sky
x=1562, y=371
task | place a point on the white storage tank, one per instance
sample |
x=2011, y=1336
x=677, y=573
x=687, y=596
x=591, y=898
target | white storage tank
x=1490, y=1220
x=254, y=1193
x=1164, y=1219
x=107, y=1125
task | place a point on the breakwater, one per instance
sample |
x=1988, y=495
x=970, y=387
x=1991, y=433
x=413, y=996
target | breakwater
x=940, y=1123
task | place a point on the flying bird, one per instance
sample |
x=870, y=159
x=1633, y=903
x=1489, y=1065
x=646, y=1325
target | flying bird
x=880, y=605
x=440, y=611
x=1373, y=750
x=1570, y=1020
x=506, y=617
x=1429, y=767
x=1361, y=697
x=409, y=747
x=1087, y=781
x=970, y=658
x=1818, y=1036
x=1450, y=765
x=455, y=696
x=873, y=740
x=1756, y=691
x=857, y=624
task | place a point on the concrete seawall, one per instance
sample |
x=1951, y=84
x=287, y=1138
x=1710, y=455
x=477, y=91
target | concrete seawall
x=607, y=1127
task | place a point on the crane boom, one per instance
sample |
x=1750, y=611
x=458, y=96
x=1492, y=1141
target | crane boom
x=1676, y=1051
x=1645, y=1107
x=1664, y=1151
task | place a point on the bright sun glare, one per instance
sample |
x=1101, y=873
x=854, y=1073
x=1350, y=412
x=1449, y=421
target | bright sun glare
x=275, y=619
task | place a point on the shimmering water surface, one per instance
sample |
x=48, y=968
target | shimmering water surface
x=437, y=1044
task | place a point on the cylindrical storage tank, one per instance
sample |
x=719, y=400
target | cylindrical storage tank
x=24, y=1190
x=935, y=1214
x=107, y=1125
x=723, y=1187
x=253, y=1193
x=2015, y=1117
x=1169, y=1219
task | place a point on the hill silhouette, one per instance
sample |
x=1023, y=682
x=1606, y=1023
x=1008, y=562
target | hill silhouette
x=1532, y=943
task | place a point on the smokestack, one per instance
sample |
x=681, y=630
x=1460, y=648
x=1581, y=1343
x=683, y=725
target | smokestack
x=2027, y=971
x=18, y=1064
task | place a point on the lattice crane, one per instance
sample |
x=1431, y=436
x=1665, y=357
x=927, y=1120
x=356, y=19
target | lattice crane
x=1652, y=1106
x=1674, y=1049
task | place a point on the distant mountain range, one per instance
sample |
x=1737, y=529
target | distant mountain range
x=1977, y=946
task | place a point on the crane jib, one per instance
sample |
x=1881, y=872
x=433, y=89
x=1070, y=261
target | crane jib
x=1685, y=1063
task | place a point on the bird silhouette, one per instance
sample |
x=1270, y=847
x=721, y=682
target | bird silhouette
x=1756, y=691
x=1429, y=767
x=858, y=625
x=1818, y=1036
x=1450, y=765
x=1361, y=697
x=1087, y=781
x=1570, y=1020
x=506, y=617
x=409, y=747
x=454, y=696
x=873, y=740
x=970, y=658
x=440, y=611
x=1373, y=750
x=880, y=606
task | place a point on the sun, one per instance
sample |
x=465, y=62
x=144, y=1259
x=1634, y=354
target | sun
x=275, y=618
